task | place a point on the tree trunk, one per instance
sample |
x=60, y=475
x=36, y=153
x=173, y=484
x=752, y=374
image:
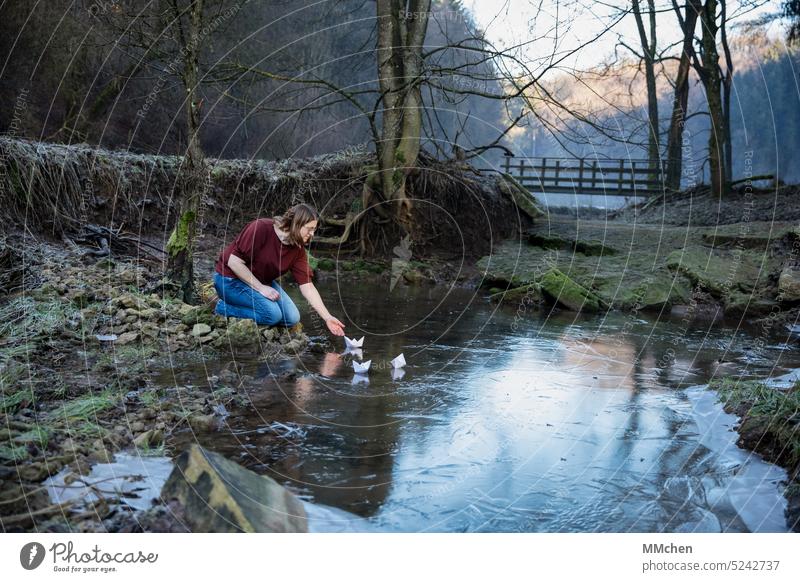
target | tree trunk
x=401, y=33
x=712, y=82
x=189, y=187
x=727, y=86
x=649, y=52
x=681, y=99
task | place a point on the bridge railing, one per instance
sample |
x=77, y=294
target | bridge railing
x=621, y=177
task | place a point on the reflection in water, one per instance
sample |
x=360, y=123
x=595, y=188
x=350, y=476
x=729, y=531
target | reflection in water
x=566, y=424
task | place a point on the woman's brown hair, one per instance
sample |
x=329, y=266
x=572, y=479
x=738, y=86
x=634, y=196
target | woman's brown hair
x=294, y=219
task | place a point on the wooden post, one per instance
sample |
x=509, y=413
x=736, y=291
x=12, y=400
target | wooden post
x=558, y=172
x=580, y=175
x=507, y=165
x=594, y=174
x=522, y=171
x=543, y=174
x=633, y=176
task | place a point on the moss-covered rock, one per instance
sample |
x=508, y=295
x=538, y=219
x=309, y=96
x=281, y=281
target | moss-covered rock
x=565, y=292
x=719, y=272
x=527, y=294
x=520, y=195
x=653, y=292
x=220, y=496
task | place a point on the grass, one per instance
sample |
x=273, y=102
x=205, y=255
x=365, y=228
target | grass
x=12, y=454
x=25, y=319
x=85, y=408
x=776, y=412
x=10, y=401
x=38, y=435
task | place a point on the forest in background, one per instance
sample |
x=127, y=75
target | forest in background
x=98, y=91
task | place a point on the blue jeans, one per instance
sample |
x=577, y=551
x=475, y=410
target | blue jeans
x=237, y=299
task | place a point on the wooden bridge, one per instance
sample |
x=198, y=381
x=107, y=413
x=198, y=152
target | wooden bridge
x=608, y=177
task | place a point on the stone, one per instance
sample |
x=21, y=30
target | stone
x=789, y=283
x=218, y=495
x=242, y=333
x=203, y=422
x=149, y=439
x=201, y=329
x=412, y=275
x=569, y=294
x=127, y=337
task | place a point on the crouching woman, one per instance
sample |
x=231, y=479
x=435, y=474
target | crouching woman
x=247, y=270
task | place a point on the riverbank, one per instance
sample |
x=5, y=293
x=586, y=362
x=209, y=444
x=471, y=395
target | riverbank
x=651, y=261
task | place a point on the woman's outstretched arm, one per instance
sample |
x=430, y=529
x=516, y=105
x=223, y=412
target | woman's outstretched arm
x=311, y=294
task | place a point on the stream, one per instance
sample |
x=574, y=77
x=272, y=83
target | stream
x=506, y=420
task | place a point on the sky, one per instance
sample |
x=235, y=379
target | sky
x=510, y=22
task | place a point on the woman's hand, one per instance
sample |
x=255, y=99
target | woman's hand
x=335, y=326
x=269, y=292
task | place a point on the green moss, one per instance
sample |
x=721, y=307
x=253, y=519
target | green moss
x=179, y=239
x=521, y=197
x=567, y=293
x=325, y=264
x=313, y=262
x=719, y=272
x=528, y=294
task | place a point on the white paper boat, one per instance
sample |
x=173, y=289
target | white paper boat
x=399, y=361
x=361, y=367
x=354, y=343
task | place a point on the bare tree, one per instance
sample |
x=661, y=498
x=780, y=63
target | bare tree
x=649, y=58
x=169, y=36
x=680, y=102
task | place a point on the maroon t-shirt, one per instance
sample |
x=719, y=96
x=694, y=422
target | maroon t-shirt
x=265, y=255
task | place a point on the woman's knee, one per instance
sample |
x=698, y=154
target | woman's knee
x=291, y=316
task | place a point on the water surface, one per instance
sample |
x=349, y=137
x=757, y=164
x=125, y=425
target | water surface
x=508, y=420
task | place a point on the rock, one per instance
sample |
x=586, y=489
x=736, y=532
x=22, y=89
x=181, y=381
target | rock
x=569, y=294
x=241, y=333
x=218, y=495
x=294, y=345
x=412, y=275
x=718, y=272
x=198, y=314
x=203, y=422
x=137, y=426
x=149, y=439
x=519, y=195
x=527, y=295
x=201, y=329
x=270, y=334
x=127, y=337
x=789, y=283
x=34, y=472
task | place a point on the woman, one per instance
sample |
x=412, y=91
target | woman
x=247, y=269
